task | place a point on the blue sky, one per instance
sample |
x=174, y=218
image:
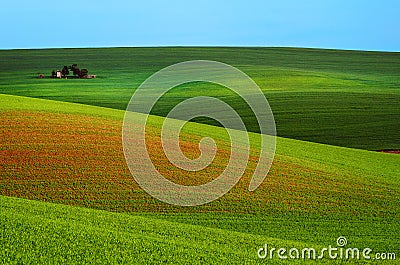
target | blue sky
x=360, y=25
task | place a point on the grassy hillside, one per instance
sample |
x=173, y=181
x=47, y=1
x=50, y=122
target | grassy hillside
x=71, y=154
x=45, y=233
x=67, y=196
x=35, y=232
x=344, y=98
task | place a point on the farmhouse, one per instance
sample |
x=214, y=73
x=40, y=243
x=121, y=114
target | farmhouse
x=77, y=73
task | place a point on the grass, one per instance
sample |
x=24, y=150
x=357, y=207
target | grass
x=67, y=196
x=50, y=234
x=341, y=98
x=46, y=233
x=65, y=153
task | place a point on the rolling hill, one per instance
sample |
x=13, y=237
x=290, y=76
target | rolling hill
x=71, y=154
x=343, y=98
x=67, y=196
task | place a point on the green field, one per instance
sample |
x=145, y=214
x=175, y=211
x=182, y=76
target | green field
x=344, y=98
x=79, y=204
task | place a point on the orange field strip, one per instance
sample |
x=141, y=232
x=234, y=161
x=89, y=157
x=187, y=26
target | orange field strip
x=78, y=160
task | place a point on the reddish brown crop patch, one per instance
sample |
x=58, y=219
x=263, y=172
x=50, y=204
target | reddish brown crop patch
x=390, y=151
x=78, y=160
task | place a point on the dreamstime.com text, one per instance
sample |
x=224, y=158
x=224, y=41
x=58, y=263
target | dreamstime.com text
x=339, y=251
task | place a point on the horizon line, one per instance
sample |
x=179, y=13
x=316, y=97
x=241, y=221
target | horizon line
x=200, y=46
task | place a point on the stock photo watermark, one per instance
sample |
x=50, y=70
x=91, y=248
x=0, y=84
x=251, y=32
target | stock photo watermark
x=339, y=251
x=152, y=89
